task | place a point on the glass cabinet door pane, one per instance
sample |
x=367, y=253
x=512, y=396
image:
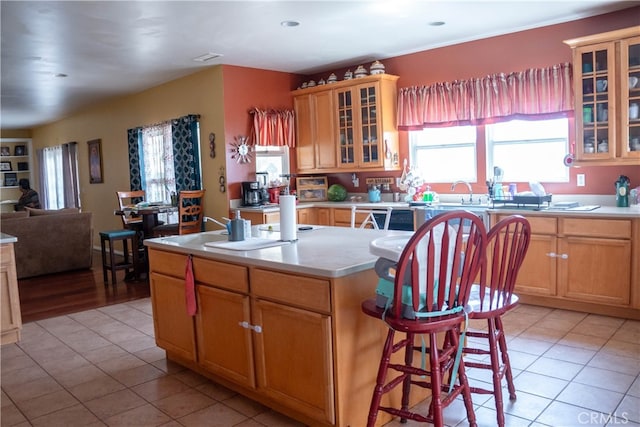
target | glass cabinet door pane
x=633, y=82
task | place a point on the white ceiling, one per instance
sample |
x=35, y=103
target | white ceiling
x=111, y=48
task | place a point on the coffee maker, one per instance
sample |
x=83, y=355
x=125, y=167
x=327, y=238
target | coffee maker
x=252, y=194
x=263, y=179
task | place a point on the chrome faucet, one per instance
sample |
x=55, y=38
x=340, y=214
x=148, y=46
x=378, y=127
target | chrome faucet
x=453, y=186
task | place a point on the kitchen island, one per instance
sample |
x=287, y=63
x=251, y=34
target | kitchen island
x=281, y=325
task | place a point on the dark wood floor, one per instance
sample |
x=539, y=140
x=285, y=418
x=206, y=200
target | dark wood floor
x=63, y=293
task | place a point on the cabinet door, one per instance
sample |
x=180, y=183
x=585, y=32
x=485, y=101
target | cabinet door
x=537, y=275
x=346, y=128
x=595, y=88
x=294, y=358
x=224, y=339
x=369, y=137
x=11, y=320
x=324, y=130
x=174, y=328
x=630, y=98
x=271, y=217
x=324, y=216
x=306, y=216
x=595, y=269
x=304, y=144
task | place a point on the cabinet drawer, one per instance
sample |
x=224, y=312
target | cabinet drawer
x=221, y=275
x=609, y=228
x=167, y=263
x=539, y=225
x=301, y=291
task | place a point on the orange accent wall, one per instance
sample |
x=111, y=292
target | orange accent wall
x=244, y=89
x=539, y=47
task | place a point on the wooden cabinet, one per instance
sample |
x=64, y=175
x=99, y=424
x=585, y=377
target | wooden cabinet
x=294, y=345
x=10, y=317
x=595, y=260
x=348, y=125
x=17, y=163
x=586, y=260
x=606, y=70
x=307, y=216
x=268, y=332
x=538, y=274
x=315, y=147
x=174, y=327
x=261, y=217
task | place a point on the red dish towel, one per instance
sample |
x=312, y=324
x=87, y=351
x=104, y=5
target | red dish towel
x=189, y=288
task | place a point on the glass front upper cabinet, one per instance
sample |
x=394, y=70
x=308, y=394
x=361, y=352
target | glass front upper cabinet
x=607, y=97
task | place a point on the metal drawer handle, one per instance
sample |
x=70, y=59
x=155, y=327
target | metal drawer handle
x=247, y=325
x=552, y=254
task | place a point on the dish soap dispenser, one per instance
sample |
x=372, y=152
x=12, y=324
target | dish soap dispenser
x=237, y=228
x=622, y=191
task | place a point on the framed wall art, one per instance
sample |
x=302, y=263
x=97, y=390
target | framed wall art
x=5, y=151
x=95, y=161
x=20, y=150
x=10, y=179
x=5, y=166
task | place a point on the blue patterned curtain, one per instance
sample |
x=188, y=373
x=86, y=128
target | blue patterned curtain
x=134, y=142
x=185, y=135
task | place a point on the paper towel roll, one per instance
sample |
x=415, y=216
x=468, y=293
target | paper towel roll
x=288, y=222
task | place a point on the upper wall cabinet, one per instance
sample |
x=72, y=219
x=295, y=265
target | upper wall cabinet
x=348, y=126
x=606, y=71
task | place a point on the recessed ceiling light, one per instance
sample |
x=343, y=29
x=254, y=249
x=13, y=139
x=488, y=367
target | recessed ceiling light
x=289, y=23
x=207, y=57
x=436, y=23
x=61, y=75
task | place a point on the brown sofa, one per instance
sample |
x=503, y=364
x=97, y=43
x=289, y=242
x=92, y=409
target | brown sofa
x=50, y=241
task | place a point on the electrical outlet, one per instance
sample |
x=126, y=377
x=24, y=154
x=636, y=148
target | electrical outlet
x=580, y=179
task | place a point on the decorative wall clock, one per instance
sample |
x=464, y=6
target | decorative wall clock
x=241, y=150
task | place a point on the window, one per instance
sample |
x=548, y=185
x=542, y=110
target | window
x=158, y=175
x=59, y=176
x=529, y=150
x=273, y=160
x=445, y=154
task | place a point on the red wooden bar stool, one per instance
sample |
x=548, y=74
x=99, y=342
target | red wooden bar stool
x=507, y=246
x=129, y=263
x=431, y=285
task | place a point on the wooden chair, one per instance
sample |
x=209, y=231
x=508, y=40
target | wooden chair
x=507, y=246
x=369, y=218
x=128, y=198
x=431, y=285
x=190, y=215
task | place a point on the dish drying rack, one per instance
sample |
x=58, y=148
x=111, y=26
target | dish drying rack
x=539, y=202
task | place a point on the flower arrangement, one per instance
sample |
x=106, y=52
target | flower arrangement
x=413, y=184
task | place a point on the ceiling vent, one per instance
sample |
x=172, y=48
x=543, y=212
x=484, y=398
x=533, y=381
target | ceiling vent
x=207, y=57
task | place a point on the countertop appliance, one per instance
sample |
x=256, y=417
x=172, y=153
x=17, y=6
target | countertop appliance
x=252, y=194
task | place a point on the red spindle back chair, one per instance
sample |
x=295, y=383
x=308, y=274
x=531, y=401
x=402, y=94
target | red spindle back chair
x=508, y=242
x=438, y=266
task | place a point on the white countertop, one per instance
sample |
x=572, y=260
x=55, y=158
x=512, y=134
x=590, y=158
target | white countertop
x=324, y=251
x=7, y=238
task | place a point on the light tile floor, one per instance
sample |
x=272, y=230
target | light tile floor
x=101, y=367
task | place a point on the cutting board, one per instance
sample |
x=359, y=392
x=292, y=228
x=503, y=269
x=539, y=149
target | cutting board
x=247, y=245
